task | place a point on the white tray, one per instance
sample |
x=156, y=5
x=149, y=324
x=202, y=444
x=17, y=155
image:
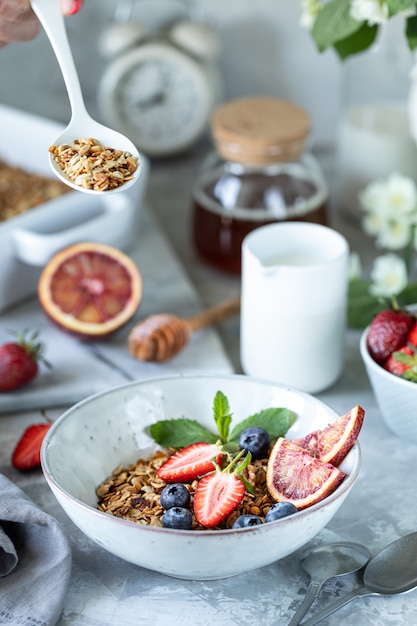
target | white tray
x=28, y=240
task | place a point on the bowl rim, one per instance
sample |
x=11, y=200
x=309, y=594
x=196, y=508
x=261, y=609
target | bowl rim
x=377, y=368
x=54, y=485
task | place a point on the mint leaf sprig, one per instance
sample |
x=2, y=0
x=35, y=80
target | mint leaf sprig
x=222, y=415
x=182, y=432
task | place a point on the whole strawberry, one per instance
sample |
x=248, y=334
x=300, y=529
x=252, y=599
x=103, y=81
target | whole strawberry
x=19, y=361
x=388, y=332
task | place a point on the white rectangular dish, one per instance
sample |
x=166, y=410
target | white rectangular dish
x=28, y=240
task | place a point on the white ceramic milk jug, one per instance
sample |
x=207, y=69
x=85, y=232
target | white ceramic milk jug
x=294, y=291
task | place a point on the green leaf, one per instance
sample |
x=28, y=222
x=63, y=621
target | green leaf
x=232, y=447
x=397, y=6
x=362, y=306
x=358, y=42
x=179, y=433
x=408, y=295
x=407, y=359
x=221, y=405
x=411, y=32
x=276, y=421
x=222, y=415
x=333, y=24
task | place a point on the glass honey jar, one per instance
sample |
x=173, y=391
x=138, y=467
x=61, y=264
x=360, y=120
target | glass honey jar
x=259, y=173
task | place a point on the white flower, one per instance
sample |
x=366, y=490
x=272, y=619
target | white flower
x=395, y=235
x=373, y=224
x=309, y=11
x=390, y=197
x=389, y=276
x=401, y=195
x=355, y=266
x=370, y=11
x=373, y=198
x=390, y=207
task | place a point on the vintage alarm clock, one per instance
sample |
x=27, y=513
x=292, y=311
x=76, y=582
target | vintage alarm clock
x=160, y=88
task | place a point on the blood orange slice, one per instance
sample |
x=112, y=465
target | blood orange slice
x=333, y=443
x=90, y=289
x=293, y=475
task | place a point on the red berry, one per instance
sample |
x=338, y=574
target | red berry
x=27, y=453
x=396, y=367
x=190, y=463
x=388, y=332
x=412, y=336
x=19, y=361
x=216, y=496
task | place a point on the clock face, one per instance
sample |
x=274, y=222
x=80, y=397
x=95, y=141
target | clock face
x=160, y=98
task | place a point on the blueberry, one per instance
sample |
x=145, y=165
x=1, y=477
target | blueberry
x=245, y=521
x=279, y=510
x=176, y=494
x=177, y=517
x=256, y=441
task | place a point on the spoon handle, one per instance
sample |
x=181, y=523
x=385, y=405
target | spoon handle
x=312, y=592
x=337, y=604
x=50, y=16
x=215, y=314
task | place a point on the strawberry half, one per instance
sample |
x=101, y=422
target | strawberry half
x=220, y=492
x=27, y=453
x=216, y=496
x=388, y=332
x=403, y=363
x=190, y=463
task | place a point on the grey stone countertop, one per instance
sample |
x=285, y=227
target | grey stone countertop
x=104, y=589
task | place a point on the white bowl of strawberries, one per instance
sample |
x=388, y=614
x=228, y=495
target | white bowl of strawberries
x=388, y=348
x=202, y=477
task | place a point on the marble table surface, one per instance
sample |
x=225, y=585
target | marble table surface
x=105, y=590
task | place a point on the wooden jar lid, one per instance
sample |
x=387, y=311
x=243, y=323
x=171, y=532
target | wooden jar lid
x=260, y=131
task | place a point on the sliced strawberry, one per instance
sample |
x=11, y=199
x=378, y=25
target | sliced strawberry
x=27, y=453
x=388, y=332
x=190, y=463
x=216, y=496
x=403, y=363
x=395, y=366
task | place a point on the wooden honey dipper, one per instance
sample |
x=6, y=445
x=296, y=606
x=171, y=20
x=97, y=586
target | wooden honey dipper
x=162, y=336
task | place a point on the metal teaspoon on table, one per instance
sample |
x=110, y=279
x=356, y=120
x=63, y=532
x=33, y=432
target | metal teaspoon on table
x=392, y=571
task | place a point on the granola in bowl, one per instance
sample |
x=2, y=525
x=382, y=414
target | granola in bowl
x=133, y=493
x=238, y=476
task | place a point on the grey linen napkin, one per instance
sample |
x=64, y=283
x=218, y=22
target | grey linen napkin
x=35, y=561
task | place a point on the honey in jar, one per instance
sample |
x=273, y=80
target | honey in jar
x=260, y=173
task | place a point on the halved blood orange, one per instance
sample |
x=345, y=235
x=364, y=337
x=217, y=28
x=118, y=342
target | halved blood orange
x=333, y=443
x=293, y=475
x=90, y=289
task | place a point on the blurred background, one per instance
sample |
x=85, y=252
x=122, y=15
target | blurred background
x=263, y=51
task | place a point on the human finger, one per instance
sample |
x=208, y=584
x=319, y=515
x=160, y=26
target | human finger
x=71, y=7
x=17, y=21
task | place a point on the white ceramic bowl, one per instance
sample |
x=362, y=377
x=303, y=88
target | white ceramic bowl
x=396, y=397
x=92, y=438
